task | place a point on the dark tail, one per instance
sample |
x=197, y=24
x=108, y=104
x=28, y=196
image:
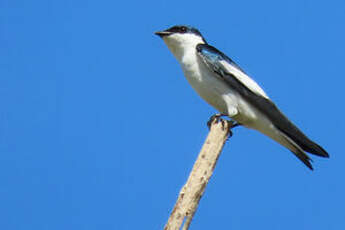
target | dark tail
x=282, y=123
x=297, y=150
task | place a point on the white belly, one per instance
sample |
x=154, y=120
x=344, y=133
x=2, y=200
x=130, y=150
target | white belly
x=210, y=89
x=215, y=92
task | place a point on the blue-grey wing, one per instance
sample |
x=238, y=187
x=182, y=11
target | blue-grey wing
x=220, y=62
x=236, y=79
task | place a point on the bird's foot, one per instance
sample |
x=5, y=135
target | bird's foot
x=217, y=118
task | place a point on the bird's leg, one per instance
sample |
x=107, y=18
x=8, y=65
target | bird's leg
x=233, y=125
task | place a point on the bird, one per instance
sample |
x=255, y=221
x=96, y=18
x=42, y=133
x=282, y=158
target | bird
x=226, y=87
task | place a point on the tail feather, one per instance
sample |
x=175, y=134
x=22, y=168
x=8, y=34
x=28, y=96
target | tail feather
x=303, y=141
x=284, y=125
x=274, y=115
x=298, y=151
x=304, y=158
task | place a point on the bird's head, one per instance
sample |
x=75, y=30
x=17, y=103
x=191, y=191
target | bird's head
x=181, y=38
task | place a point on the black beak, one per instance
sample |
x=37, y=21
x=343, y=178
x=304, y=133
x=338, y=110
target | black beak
x=162, y=33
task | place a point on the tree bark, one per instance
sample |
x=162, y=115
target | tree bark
x=192, y=191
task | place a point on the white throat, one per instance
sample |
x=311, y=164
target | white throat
x=180, y=44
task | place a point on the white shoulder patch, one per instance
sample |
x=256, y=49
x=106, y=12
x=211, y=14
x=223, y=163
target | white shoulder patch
x=245, y=79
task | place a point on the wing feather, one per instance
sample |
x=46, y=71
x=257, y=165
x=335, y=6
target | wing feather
x=236, y=79
x=214, y=57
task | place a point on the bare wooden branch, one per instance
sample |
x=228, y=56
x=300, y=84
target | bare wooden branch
x=192, y=191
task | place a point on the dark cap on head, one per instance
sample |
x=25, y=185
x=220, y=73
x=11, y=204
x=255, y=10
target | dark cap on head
x=181, y=29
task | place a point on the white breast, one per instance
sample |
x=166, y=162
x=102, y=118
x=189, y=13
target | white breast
x=214, y=91
x=211, y=89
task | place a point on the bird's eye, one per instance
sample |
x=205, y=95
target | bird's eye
x=183, y=29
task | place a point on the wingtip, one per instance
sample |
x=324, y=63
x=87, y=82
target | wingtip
x=319, y=151
x=313, y=148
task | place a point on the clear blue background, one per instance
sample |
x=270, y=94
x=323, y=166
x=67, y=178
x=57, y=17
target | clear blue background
x=99, y=129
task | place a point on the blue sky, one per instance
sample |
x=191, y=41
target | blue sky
x=99, y=128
